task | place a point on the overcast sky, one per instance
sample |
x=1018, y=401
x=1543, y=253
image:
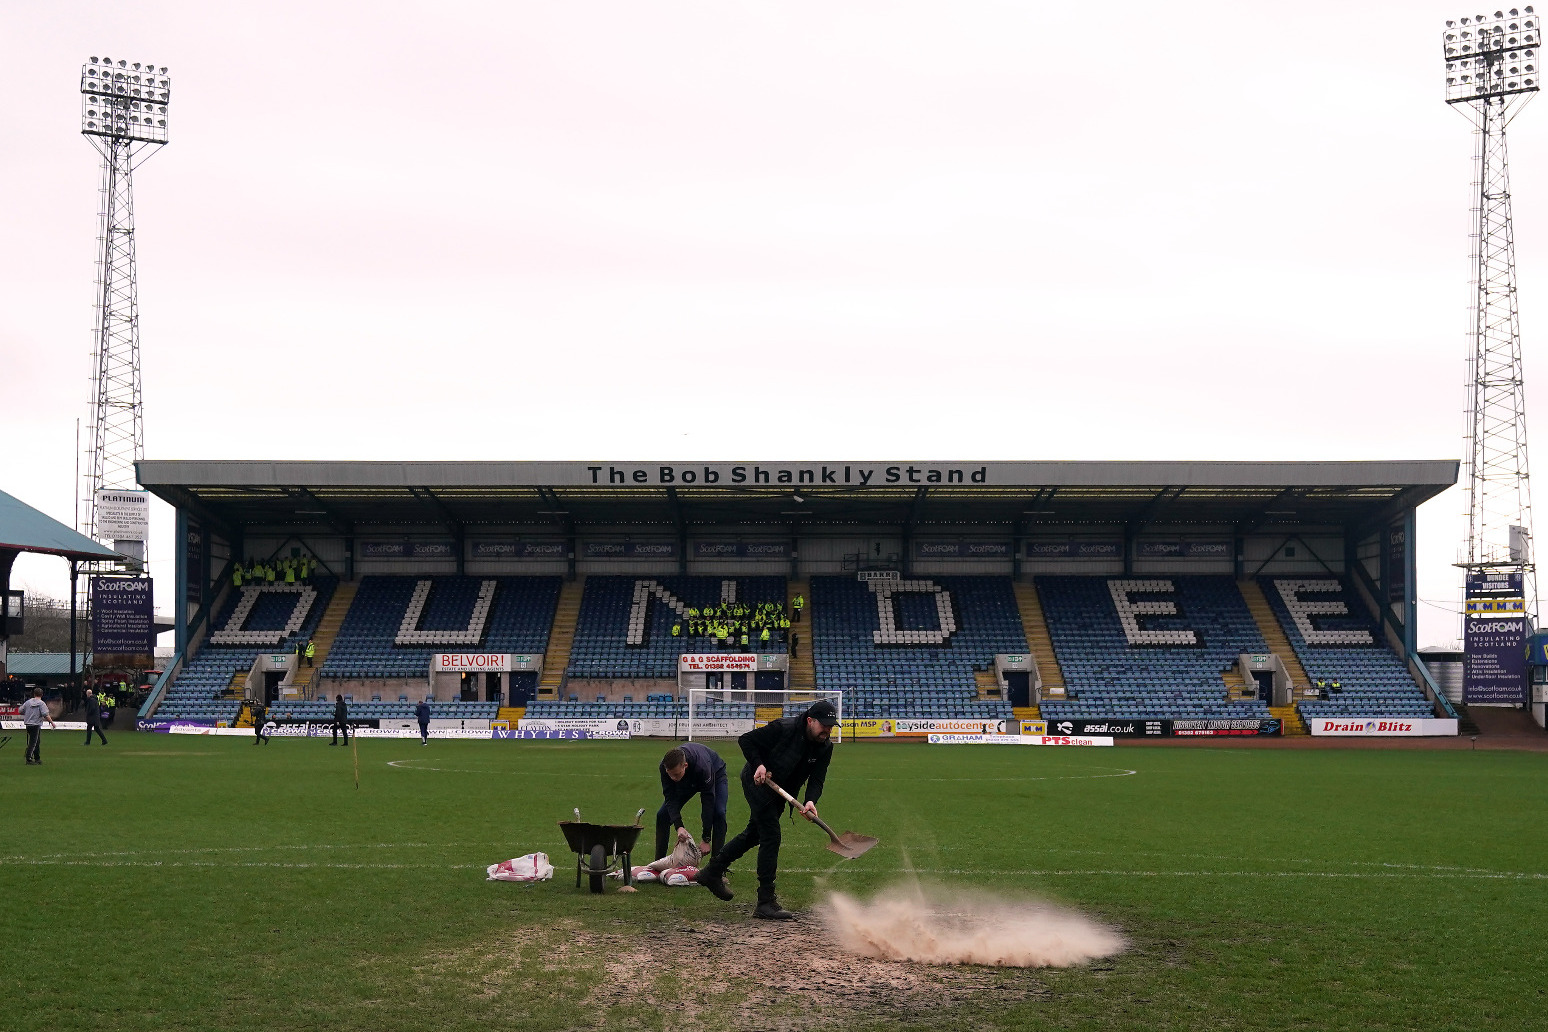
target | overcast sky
x=736, y=230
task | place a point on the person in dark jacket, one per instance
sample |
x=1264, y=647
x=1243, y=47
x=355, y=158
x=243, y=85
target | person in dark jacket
x=422, y=712
x=260, y=718
x=692, y=770
x=790, y=752
x=94, y=717
x=340, y=721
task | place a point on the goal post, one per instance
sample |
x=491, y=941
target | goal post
x=715, y=712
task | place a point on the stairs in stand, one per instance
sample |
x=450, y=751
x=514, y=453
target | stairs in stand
x=1273, y=633
x=988, y=685
x=1290, y=719
x=560, y=637
x=244, y=716
x=327, y=632
x=236, y=688
x=1038, y=640
x=802, y=673
x=1236, y=688
x=1465, y=723
x=766, y=714
x=511, y=715
x=1027, y=712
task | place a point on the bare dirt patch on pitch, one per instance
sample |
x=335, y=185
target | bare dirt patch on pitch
x=779, y=974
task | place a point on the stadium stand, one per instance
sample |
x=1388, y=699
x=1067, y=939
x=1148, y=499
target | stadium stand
x=909, y=648
x=380, y=639
x=1339, y=643
x=602, y=645
x=1147, y=648
x=250, y=614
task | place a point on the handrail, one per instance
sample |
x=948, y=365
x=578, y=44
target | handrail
x=154, y=698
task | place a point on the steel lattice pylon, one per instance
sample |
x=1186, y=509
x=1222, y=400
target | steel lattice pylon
x=1490, y=73
x=124, y=116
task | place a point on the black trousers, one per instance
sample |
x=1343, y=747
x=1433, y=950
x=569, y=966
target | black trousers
x=712, y=809
x=92, y=725
x=762, y=831
x=34, y=736
x=424, y=731
x=340, y=727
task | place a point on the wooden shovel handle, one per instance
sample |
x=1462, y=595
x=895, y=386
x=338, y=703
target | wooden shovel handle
x=791, y=800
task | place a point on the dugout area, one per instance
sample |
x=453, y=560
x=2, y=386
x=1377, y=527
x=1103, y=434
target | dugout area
x=1023, y=551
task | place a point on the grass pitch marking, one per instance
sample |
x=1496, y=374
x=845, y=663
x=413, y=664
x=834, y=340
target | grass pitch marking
x=1120, y=772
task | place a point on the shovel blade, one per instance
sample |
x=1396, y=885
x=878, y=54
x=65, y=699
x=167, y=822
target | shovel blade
x=850, y=845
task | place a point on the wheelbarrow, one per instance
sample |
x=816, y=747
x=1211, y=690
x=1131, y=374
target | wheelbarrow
x=601, y=849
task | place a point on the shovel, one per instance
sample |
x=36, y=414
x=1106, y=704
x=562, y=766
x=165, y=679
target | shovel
x=848, y=845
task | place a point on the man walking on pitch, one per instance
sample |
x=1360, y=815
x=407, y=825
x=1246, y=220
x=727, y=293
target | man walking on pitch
x=422, y=711
x=94, y=717
x=692, y=770
x=33, y=712
x=790, y=752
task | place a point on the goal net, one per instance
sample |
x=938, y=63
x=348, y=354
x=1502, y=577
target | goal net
x=729, y=712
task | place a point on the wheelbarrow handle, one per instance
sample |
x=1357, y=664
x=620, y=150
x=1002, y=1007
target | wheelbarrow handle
x=792, y=801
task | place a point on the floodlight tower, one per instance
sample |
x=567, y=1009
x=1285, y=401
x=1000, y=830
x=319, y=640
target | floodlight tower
x=124, y=116
x=1491, y=72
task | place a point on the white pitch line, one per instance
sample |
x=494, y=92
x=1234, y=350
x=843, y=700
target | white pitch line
x=257, y=849
x=1080, y=872
x=51, y=862
x=405, y=765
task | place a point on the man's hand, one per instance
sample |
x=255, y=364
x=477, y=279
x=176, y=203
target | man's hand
x=808, y=810
x=704, y=847
x=761, y=775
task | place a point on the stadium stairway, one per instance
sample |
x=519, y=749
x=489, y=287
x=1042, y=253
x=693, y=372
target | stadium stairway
x=1290, y=720
x=1027, y=712
x=1273, y=633
x=988, y=685
x=511, y=714
x=1038, y=639
x=802, y=673
x=236, y=688
x=765, y=714
x=1236, y=688
x=244, y=715
x=328, y=630
x=557, y=659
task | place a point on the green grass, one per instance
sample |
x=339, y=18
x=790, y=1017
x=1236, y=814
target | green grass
x=197, y=883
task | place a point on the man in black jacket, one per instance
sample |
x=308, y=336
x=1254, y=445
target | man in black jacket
x=93, y=718
x=340, y=721
x=790, y=752
x=692, y=770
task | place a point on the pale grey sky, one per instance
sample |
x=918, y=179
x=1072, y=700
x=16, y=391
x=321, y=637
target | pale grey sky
x=738, y=230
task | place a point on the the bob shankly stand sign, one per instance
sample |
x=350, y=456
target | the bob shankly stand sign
x=755, y=474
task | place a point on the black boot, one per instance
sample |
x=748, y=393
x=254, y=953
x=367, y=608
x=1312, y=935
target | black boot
x=714, y=879
x=769, y=909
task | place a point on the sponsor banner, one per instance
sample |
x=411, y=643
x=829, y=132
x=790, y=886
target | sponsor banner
x=1096, y=549
x=741, y=549
x=567, y=736
x=489, y=662
x=927, y=727
x=631, y=550
x=509, y=548
x=121, y=615
x=1509, y=607
x=1481, y=584
x=1034, y=727
x=1158, y=549
x=58, y=725
x=572, y=724
x=1122, y=728
x=204, y=729
x=712, y=661
x=432, y=549
x=1397, y=562
x=1494, y=659
x=1382, y=727
x=1225, y=727
x=383, y=549
x=444, y=548
x=928, y=549
x=869, y=727
x=123, y=515
x=949, y=739
x=711, y=727
x=1064, y=740
x=1190, y=549
x=193, y=562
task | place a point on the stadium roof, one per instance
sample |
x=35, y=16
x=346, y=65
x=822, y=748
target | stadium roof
x=547, y=495
x=25, y=529
x=44, y=664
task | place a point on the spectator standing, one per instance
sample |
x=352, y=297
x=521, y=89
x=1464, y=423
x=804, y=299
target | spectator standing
x=422, y=712
x=340, y=721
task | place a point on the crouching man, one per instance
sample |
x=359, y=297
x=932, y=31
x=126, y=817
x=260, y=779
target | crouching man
x=790, y=752
x=692, y=770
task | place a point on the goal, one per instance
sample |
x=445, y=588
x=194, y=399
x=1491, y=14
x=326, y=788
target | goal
x=728, y=712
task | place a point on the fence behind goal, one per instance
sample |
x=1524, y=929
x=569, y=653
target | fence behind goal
x=723, y=712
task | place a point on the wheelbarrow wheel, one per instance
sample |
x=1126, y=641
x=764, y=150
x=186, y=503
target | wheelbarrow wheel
x=598, y=868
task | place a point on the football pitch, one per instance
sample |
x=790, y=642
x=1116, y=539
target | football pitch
x=170, y=882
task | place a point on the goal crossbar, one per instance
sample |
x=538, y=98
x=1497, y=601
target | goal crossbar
x=712, y=711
